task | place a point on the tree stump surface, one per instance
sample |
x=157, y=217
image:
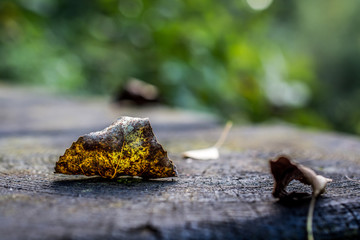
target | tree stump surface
x=228, y=198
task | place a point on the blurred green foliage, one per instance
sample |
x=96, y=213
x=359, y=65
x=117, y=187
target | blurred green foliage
x=247, y=60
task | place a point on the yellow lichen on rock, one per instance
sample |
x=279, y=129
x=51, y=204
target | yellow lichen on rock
x=127, y=147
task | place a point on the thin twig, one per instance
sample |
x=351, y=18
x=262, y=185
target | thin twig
x=309, y=222
x=224, y=134
x=354, y=180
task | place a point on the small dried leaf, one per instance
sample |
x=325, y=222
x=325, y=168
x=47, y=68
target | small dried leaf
x=212, y=152
x=128, y=147
x=139, y=92
x=284, y=171
x=202, y=154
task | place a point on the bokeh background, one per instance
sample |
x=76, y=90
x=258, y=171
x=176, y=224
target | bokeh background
x=244, y=60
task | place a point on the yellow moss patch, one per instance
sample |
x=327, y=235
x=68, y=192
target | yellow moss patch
x=139, y=154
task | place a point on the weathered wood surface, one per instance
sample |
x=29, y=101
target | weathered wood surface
x=229, y=198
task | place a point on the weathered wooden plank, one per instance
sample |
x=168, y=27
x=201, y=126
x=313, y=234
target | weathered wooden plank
x=218, y=199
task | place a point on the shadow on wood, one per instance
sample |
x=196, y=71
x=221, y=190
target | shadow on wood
x=122, y=188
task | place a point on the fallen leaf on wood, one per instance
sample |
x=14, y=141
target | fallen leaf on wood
x=284, y=171
x=212, y=152
x=203, y=154
x=139, y=92
x=128, y=147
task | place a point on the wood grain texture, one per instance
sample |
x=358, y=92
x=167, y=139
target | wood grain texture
x=229, y=198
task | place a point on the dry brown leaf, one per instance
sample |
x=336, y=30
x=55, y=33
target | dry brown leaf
x=128, y=147
x=284, y=171
x=210, y=153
